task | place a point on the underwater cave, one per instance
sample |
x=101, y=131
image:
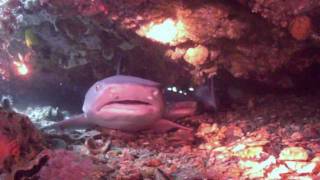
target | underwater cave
x=159, y=89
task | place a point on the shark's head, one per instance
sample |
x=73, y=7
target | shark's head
x=124, y=100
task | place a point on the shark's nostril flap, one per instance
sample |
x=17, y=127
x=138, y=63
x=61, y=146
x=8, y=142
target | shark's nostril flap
x=155, y=92
x=112, y=89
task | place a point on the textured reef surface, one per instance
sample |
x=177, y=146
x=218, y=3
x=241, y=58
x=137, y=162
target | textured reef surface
x=271, y=137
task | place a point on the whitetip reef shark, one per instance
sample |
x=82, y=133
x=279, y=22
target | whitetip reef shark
x=125, y=103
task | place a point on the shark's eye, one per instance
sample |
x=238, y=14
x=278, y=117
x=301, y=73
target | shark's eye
x=98, y=87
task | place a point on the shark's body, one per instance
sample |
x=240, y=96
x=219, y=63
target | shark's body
x=122, y=102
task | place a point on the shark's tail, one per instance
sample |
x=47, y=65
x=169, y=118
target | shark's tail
x=206, y=95
x=77, y=121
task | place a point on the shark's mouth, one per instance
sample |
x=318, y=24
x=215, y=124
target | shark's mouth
x=129, y=102
x=125, y=103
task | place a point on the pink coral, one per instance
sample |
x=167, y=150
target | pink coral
x=19, y=140
x=8, y=148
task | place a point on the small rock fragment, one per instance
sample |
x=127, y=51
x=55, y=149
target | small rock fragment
x=293, y=154
x=277, y=172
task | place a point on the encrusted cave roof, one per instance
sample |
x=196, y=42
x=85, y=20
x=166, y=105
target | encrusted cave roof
x=251, y=39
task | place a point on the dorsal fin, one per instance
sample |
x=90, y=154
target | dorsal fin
x=119, y=66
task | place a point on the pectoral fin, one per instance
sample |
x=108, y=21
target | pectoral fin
x=78, y=121
x=164, y=125
x=181, y=109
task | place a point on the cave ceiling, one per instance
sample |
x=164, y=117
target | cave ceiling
x=171, y=41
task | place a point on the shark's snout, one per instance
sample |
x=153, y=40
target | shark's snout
x=126, y=99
